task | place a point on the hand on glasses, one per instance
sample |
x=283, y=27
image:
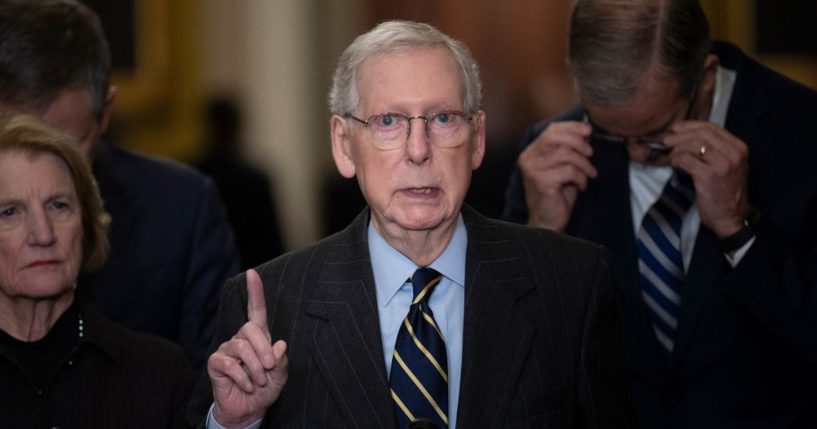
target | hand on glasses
x=555, y=168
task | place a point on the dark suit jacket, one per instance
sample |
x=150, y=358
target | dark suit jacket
x=171, y=249
x=746, y=350
x=540, y=343
x=114, y=378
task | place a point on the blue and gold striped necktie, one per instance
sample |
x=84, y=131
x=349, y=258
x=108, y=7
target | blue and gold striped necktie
x=419, y=369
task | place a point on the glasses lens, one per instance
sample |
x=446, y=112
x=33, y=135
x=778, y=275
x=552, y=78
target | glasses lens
x=388, y=130
x=446, y=129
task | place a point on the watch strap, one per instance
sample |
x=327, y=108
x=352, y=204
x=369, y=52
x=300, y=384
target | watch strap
x=746, y=232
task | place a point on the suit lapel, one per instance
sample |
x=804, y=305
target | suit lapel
x=706, y=267
x=346, y=345
x=496, y=337
x=747, y=107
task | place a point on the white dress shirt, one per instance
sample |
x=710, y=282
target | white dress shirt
x=647, y=181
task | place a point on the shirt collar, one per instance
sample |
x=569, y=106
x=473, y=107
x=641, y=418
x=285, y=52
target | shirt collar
x=724, y=84
x=100, y=332
x=391, y=268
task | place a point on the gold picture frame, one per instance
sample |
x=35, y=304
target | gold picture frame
x=735, y=21
x=143, y=88
x=138, y=33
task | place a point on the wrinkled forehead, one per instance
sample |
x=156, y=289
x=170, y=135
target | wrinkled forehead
x=23, y=154
x=411, y=73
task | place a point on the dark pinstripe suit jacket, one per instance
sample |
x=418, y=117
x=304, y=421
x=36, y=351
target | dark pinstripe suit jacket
x=540, y=344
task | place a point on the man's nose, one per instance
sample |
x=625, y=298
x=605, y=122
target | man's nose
x=418, y=146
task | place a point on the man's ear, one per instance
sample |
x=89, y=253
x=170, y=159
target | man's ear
x=107, y=109
x=342, y=146
x=478, y=152
x=706, y=89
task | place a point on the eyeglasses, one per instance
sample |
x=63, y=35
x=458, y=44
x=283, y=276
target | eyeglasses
x=654, y=141
x=445, y=129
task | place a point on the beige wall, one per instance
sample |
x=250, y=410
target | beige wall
x=269, y=54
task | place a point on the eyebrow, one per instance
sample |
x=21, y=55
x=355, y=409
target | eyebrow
x=11, y=202
x=56, y=195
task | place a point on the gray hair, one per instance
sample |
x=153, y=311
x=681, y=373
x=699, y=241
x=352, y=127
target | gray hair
x=615, y=43
x=396, y=36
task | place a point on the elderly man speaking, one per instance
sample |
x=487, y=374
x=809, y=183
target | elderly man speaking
x=421, y=310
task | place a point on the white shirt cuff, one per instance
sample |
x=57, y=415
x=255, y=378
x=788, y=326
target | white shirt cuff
x=735, y=258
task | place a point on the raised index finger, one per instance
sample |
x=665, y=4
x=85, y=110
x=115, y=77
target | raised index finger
x=256, y=305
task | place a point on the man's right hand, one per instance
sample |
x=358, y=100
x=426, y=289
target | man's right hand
x=247, y=372
x=555, y=168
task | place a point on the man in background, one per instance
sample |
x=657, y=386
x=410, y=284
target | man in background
x=694, y=165
x=245, y=191
x=171, y=248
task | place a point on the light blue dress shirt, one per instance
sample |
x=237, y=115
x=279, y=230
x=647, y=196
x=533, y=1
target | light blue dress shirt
x=391, y=270
x=394, y=295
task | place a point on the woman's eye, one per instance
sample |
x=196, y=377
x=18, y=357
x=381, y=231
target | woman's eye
x=59, y=205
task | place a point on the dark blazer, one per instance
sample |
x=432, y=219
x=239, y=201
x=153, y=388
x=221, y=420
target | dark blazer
x=540, y=343
x=171, y=249
x=746, y=352
x=115, y=378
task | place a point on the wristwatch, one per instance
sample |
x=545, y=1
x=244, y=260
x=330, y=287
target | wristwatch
x=747, y=231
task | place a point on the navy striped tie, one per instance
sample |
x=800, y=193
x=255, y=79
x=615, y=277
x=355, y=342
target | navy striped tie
x=660, y=261
x=419, y=369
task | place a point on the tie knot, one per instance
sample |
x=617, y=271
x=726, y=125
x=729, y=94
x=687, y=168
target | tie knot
x=423, y=282
x=680, y=191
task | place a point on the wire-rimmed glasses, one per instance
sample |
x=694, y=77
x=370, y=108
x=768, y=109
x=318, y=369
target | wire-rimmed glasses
x=445, y=129
x=654, y=141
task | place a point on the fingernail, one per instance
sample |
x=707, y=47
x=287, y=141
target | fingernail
x=269, y=361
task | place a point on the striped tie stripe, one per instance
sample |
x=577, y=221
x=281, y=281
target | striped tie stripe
x=425, y=351
x=419, y=378
x=419, y=385
x=660, y=261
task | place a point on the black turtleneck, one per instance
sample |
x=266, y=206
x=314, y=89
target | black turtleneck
x=41, y=358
